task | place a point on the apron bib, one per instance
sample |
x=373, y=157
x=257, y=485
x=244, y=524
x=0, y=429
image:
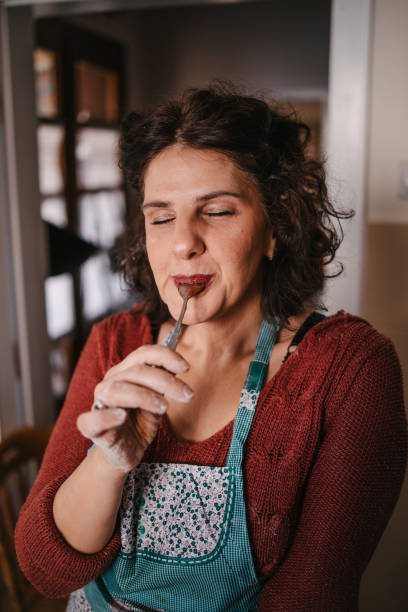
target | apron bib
x=184, y=537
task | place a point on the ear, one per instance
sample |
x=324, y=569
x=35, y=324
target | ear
x=270, y=245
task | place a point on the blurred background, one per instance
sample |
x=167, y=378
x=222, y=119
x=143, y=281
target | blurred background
x=69, y=73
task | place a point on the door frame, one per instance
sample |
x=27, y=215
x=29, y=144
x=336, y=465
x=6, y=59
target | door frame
x=347, y=141
x=27, y=385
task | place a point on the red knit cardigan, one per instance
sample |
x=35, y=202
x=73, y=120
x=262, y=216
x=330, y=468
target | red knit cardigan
x=323, y=465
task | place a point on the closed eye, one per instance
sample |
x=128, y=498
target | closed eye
x=161, y=221
x=220, y=213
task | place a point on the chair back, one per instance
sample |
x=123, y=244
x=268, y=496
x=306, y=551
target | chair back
x=21, y=452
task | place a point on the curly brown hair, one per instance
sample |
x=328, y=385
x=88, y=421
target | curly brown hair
x=269, y=146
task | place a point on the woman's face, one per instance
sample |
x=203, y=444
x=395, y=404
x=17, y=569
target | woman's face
x=204, y=223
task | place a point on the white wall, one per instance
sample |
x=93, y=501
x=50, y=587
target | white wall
x=389, y=116
x=347, y=143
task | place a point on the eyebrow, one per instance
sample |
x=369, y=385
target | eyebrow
x=204, y=198
x=154, y=205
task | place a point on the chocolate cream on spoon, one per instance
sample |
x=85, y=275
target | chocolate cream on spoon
x=186, y=290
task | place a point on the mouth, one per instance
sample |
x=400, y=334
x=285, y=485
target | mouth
x=203, y=280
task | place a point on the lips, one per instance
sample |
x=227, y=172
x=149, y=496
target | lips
x=199, y=281
x=194, y=279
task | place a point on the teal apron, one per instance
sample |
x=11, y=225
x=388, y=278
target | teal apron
x=184, y=537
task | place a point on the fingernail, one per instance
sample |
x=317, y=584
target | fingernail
x=119, y=414
x=188, y=393
x=183, y=365
x=161, y=407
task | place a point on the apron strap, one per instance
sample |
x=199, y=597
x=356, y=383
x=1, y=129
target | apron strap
x=250, y=392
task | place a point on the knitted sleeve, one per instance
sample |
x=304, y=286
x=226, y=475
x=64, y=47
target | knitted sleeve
x=351, y=491
x=47, y=560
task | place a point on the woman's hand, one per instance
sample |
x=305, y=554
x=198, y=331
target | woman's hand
x=134, y=390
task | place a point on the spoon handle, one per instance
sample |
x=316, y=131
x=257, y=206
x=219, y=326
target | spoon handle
x=174, y=336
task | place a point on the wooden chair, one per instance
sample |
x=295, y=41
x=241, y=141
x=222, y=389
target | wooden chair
x=21, y=452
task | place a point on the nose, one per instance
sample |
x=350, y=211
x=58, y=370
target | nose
x=187, y=239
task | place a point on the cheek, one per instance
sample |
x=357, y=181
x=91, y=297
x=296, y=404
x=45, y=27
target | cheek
x=154, y=252
x=245, y=248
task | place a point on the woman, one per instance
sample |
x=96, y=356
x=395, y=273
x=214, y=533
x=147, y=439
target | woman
x=208, y=488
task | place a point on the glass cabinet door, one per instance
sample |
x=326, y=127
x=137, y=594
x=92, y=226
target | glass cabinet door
x=79, y=99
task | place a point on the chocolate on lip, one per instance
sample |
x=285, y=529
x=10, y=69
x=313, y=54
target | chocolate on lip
x=192, y=279
x=191, y=285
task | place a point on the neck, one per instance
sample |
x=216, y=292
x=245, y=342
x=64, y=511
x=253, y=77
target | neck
x=233, y=336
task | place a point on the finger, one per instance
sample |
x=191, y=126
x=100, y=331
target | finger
x=95, y=423
x=155, y=379
x=152, y=354
x=143, y=424
x=130, y=394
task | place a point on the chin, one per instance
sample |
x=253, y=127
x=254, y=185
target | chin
x=198, y=314
x=199, y=310
x=194, y=320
